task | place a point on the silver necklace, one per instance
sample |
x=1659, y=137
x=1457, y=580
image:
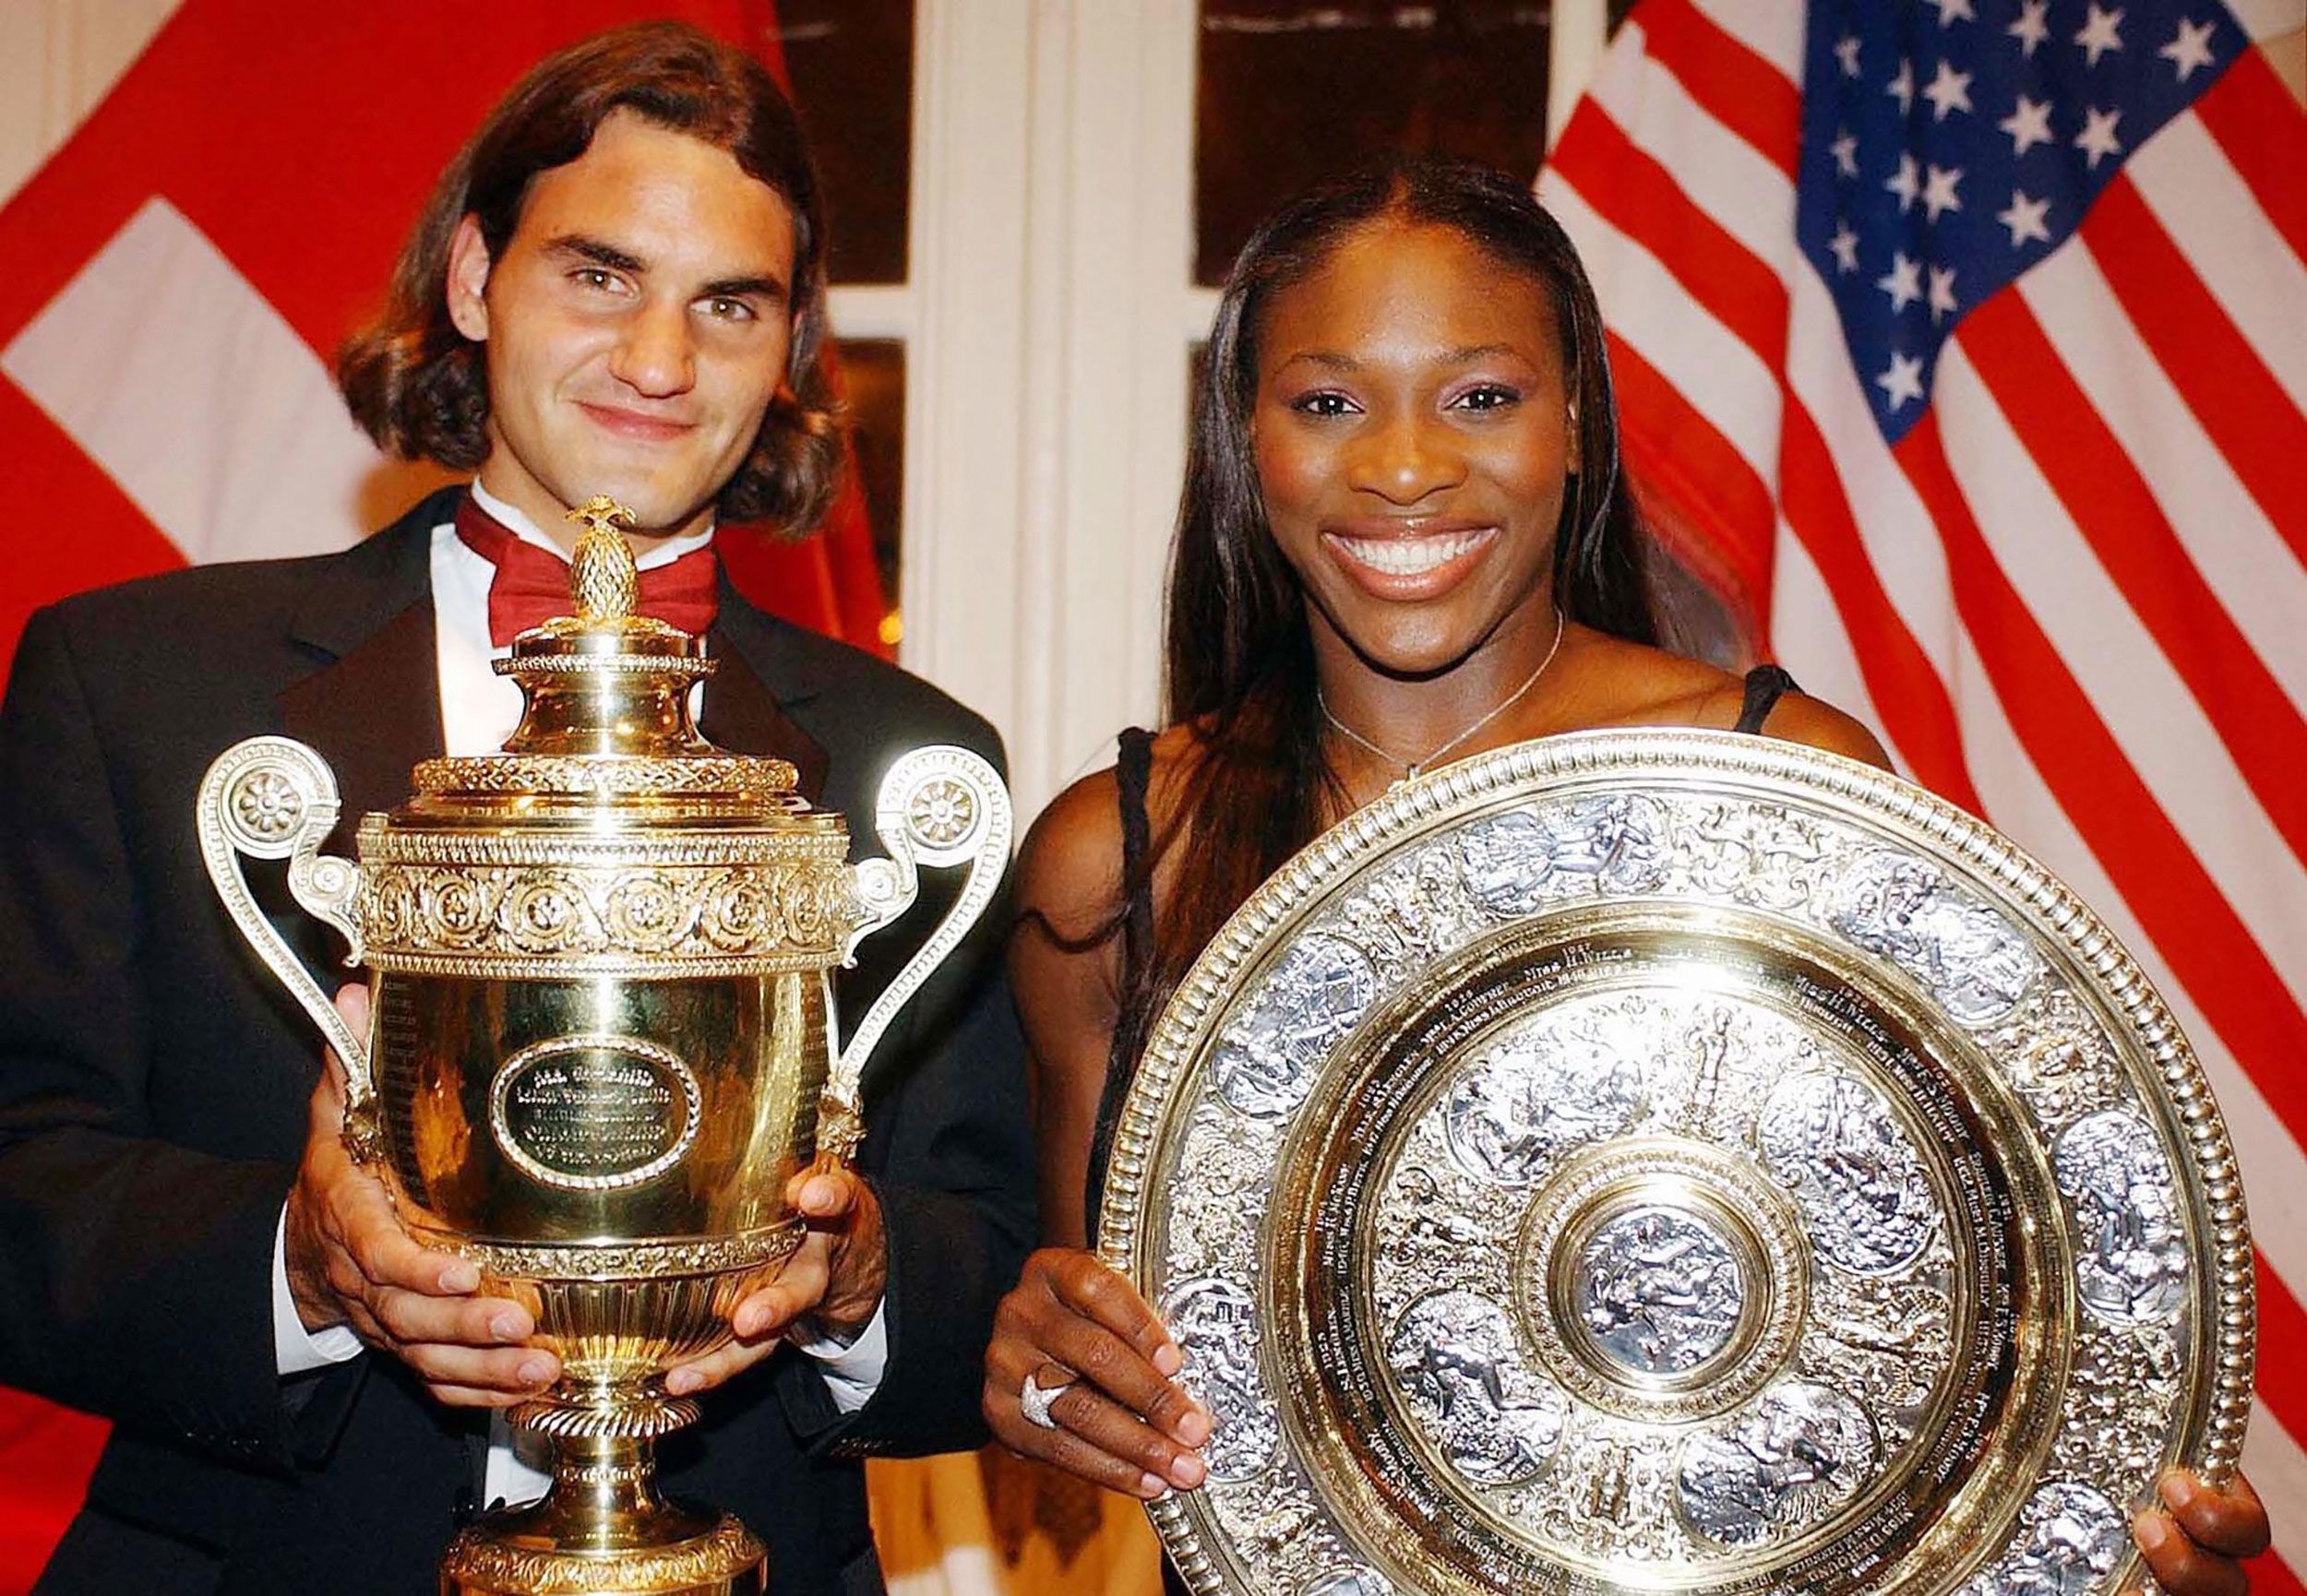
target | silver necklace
x=1411, y=768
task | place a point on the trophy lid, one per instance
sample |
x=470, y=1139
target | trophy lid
x=608, y=736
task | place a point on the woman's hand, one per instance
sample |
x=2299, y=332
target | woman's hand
x=1073, y=1325
x=2196, y=1543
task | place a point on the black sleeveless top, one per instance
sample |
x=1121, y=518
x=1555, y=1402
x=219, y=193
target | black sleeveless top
x=1765, y=684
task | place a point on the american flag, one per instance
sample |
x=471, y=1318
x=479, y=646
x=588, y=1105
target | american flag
x=1965, y=343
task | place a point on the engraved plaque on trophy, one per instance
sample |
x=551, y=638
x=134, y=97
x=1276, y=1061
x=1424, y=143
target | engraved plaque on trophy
x=1672, y=1161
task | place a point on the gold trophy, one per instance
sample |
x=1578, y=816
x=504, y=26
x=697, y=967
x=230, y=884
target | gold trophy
x=603, y=1040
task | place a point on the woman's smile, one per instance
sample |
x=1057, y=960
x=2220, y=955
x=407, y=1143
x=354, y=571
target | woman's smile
x=1410, y=561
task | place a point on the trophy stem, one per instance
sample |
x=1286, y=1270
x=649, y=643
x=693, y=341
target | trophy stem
x=602, y=1529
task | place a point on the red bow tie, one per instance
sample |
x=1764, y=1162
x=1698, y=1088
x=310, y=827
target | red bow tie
x=532, y=584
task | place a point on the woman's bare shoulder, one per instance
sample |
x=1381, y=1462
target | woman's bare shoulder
x=1654, y=687
x=1069, y=866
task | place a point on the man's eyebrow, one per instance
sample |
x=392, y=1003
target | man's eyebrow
x=595, y=251
x=765, y=285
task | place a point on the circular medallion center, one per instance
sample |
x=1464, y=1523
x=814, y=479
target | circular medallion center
x=1659, y=1290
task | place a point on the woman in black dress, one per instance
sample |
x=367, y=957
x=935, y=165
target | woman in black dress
x=1404, y=540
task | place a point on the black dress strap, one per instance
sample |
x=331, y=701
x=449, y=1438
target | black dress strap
x=1133, y=770
x=1765, y=684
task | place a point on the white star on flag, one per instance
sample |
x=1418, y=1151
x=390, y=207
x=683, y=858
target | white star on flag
x=2101, y=32
x=1938, y=190
x=2189, y=49
x=1949, y=91
x=1845, y=243
x=1846, y=52
x=1906, y=184
x=1903, y=282
x=2030, y=30
x=1902, y=381
x=1941, y=293
x=2029, y=124
x=2097, y=137
x=1845, y=149
x=1902, y=87
x=1952, y=11
x=2025, y=219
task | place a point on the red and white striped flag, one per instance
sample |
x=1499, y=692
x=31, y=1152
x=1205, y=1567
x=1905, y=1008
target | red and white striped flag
x=1965, y=342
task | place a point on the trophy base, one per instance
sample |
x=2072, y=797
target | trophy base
x=506, y=1554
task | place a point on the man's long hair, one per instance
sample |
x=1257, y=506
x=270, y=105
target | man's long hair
x=1239, y=660
x=420, y=387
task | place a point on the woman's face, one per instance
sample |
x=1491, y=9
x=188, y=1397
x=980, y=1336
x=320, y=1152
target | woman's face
x=1413, y=441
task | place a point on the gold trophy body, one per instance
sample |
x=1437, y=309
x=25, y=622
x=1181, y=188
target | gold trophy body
x=601, y=1036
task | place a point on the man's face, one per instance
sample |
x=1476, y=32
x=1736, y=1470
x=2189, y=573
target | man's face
x=637, y=326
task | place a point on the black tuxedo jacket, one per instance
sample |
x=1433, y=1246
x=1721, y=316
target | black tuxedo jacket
x=154, y=1081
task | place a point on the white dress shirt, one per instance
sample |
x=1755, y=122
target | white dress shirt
x=478, y=711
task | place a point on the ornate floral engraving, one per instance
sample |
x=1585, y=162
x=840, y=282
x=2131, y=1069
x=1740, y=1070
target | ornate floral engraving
x=665, y=913
x=1355, y=1581
x=1757, y=853
x=1216, y=1325
x=1801, y=1451
x=1966, y=954
x=1659, y=1290
x=940, y=812
x=1517, y=860
x=1312, y=998
x=1835, y=1141
x=2131, y=1257
x=1453, y=1355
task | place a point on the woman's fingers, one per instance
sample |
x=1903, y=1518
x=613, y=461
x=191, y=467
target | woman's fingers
x=2231, y=1522
x=1081, y=1282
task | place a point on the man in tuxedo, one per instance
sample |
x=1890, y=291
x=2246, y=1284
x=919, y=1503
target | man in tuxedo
x=619, y=287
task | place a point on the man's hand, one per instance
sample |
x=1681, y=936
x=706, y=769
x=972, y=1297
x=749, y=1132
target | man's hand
x=832, y=1286
x=349, y=1262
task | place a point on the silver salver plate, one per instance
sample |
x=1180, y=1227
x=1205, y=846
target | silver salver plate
x=1679, y=1161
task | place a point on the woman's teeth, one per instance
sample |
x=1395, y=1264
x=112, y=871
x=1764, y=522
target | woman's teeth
x=1412, y=557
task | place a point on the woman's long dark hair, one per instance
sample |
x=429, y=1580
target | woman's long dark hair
x=1240, y=661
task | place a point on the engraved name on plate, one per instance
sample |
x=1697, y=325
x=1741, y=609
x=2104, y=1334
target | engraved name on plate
x=594, y=1112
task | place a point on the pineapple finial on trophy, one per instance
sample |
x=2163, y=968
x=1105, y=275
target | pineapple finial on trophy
x=603, y=578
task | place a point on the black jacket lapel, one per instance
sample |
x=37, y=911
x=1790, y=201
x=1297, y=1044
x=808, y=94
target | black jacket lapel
x=372, y=706
x=741, y=716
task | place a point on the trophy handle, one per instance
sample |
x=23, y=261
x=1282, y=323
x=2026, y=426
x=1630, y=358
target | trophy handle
x=274, y=798
x=939, y=805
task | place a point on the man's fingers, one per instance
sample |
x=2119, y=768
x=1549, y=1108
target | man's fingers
x=512, y=1371
x=410, y=1317
x=2231, y=1522
x=717, y=1368
x=825, y=1193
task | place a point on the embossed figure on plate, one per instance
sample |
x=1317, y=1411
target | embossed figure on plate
x=1967, y=955
x=1798, y=1453
x=2132, y=1266
x=1659, y=1290
x=1454, y=1354
x=1539, y=1088
x=1515, y=862
x=1858, y=1181
x=1312, y=998
x=2069, y=1538
x=1216, y=1325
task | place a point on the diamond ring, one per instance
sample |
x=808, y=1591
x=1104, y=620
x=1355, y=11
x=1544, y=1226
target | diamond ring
x=1035, y=1400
